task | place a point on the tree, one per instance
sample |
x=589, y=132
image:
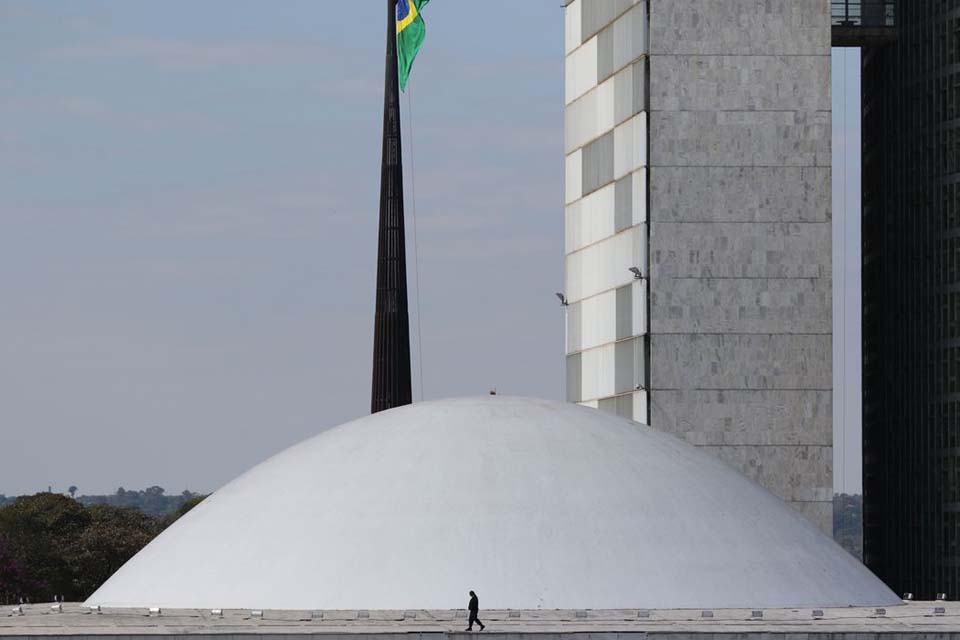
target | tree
x=51, y=544
x=38, y=530
x=16, y=580
x=114, y=535
x=182, y=510
x=848, y=522
x=73, y=491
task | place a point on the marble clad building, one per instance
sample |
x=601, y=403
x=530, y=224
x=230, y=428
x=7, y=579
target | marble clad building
x=698, y=228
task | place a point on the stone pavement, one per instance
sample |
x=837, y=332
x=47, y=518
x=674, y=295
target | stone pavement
x=911, y=621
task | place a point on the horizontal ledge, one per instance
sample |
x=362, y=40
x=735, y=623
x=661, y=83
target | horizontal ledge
x=763, y=446
x=651, y=110
x=655, y=277
x=734, y=166
x=740, y=333
x=736, y=389
x=714, y=54
x=750, y=222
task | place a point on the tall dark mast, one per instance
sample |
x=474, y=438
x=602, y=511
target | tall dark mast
x=391, y=340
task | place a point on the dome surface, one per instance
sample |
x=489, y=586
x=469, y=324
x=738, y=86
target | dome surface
x=531, y=503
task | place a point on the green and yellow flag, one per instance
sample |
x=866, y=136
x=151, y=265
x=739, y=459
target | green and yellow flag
x=410, y=33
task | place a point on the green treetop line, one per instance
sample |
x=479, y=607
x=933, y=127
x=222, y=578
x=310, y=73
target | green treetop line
x=53, y=545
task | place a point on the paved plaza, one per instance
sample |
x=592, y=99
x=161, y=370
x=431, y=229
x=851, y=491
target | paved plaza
x=918, y=620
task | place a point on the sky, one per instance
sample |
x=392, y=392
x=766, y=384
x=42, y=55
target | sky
x=188, y=221
x=847, y=414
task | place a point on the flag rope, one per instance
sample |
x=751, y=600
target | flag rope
x=416, y=248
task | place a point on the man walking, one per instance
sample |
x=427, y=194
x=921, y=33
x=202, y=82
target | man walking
x=474, y=607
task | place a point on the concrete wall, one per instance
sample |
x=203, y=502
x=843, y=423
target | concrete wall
x=739, y=245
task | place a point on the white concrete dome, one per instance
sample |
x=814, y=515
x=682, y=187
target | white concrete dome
x=533, y=504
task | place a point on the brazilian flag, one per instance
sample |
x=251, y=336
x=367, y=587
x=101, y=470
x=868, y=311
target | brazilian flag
x=410, y=33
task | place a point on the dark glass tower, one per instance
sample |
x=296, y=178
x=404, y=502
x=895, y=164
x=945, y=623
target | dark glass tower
x=391, y=340
x=911, y=301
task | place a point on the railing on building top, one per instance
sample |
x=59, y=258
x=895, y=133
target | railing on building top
x=863, y=13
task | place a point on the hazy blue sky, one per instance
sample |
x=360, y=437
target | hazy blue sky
x=188, y=210
x=847, y=467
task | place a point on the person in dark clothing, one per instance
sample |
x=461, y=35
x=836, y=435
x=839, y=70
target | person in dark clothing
x=474, y=607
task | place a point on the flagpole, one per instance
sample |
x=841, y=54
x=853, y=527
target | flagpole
x=391, y=340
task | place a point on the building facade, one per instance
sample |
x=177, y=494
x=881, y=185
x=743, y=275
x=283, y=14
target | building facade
x=606, y=215
x=698, y=228
x=911, y=302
